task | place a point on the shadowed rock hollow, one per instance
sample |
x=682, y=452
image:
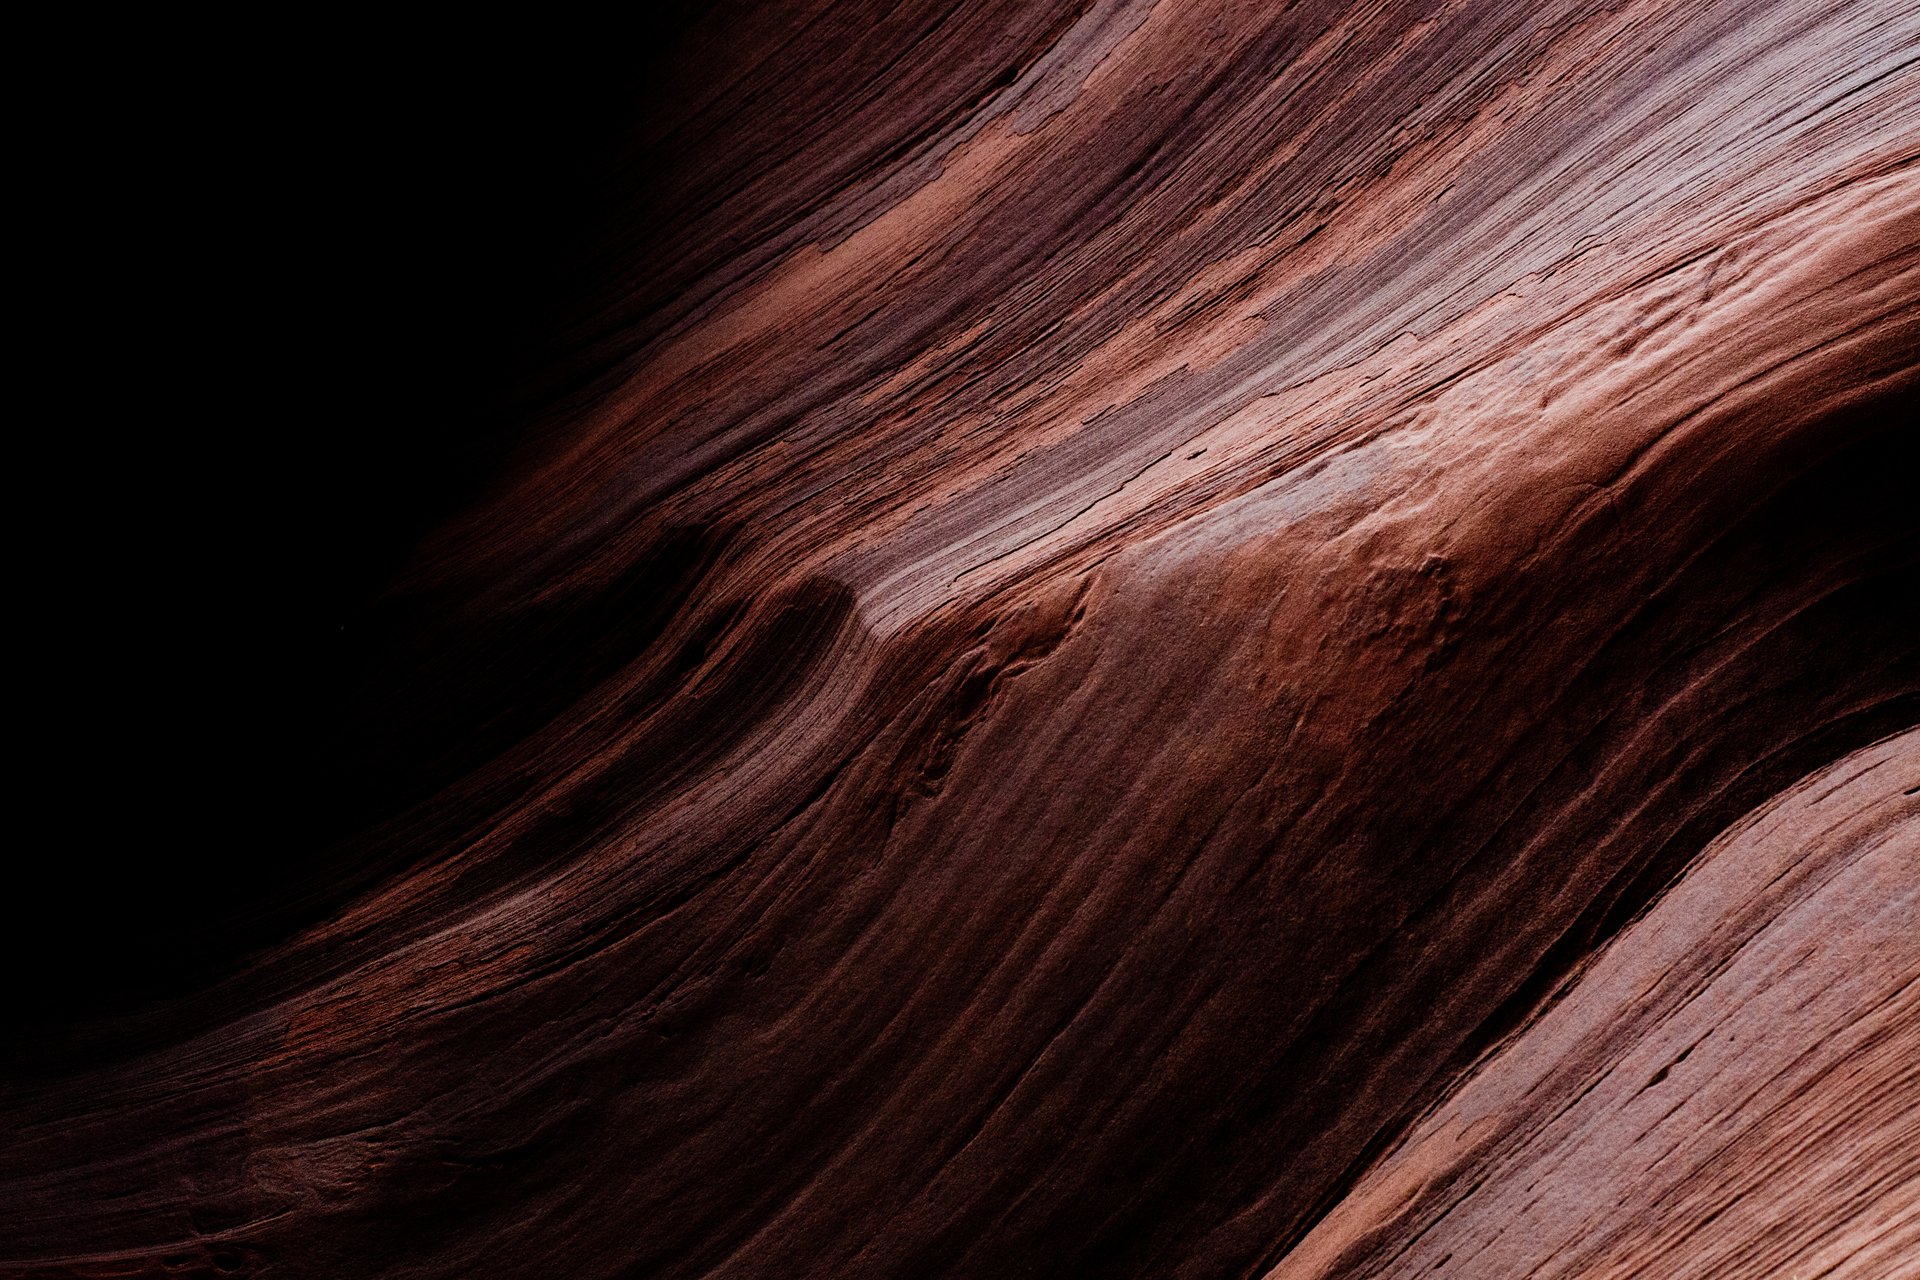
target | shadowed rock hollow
x=1129, y=639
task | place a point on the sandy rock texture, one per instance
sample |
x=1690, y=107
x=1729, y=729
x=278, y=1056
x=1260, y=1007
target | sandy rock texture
x=1127, y=639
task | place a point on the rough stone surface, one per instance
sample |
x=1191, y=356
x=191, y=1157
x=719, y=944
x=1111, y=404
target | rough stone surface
x=1132, y=639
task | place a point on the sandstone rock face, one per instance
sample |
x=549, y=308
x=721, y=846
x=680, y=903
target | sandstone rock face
x=1134, y=639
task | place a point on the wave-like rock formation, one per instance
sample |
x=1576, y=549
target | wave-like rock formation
x=1136, y=638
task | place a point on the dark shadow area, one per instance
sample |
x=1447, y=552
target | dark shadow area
x=302, y=292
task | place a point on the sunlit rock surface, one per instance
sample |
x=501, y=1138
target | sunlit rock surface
x=1146, y=639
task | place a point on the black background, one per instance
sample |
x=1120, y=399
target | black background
x=289, y=298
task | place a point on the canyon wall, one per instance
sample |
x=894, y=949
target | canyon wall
x=1123, y=639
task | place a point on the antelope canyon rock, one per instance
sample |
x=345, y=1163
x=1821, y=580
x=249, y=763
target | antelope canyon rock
x=1130, y=638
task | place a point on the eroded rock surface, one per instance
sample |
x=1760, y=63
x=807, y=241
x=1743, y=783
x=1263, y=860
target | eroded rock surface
x=1136, y=639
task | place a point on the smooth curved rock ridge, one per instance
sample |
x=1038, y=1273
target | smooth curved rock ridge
x=1134, y=639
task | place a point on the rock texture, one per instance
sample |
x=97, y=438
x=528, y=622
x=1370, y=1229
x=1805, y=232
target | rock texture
x=1131, y=639
x=1725, y=1091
